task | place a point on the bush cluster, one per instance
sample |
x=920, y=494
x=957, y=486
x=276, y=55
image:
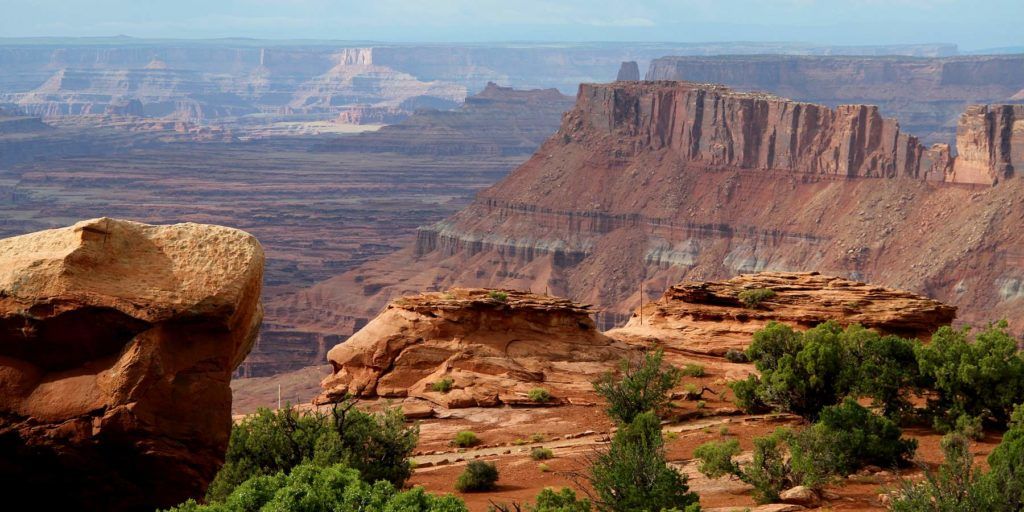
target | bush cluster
x=847, y=437
x=444, y=385
x=539, y=395
x=753, y=298
x=639, y=387
x=478, y=476
x=465, y=439
x=312, y=487
x=376, y=445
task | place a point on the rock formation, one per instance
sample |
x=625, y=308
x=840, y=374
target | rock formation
x=654, y=183
x=117, y=342
x=711, y=318
x=927, y=95
x=494, y=346
x=990, y=144
x=629, y=71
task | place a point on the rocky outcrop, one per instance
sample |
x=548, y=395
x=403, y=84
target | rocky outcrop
x=117, y=342
x=927, y=95
x=629, y=71
x=989, y=143
x=494, y=346
x=712, y=318
x=715, y=127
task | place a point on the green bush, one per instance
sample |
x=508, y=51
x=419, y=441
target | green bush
x=478, y=476
x=633, y=474
x=549, y=501
x=376, y=445
x=465, y=439
x=308, y=487
x=983, y=379
x=444, y=385
x=541, y=453
x=969, y=427
x=693, y=370
x=716, y=458
x=1003, y=485
x=859, y=437
x=498, y=296
x=639, y=388
x=736, y=356
x=539, y=395
x=754, y=298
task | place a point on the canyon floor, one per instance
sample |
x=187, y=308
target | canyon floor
x=575, y=433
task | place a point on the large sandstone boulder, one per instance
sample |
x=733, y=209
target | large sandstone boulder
x=495, y=347
x=117, y=344
x=711, y=318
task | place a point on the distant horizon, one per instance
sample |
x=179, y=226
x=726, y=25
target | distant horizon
x=971, y=26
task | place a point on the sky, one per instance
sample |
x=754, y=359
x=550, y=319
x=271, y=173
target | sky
x=971, y=24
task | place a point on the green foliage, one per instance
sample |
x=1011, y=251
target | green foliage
x=444, y=385
x=633, y=474
x=1003, y=485
x=313, y=488
x=969, y=427
x=805, y=372
x=754, y=298
x=498, y=296
x=769, y=472
x=563, y=501
x=859, y=437
x=642, y=387
x=539, y=395
x=954, y=487
x=541, y=453
x=984, y=378
x=735, y=356
x=716, y=458
x=375, y=445
x=465, y=439
x=693, y=370
x=478, y=476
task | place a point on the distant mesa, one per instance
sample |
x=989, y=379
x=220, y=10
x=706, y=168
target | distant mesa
x=491, y=346
x=712, y=318
x=629, y=71
x=117, y=343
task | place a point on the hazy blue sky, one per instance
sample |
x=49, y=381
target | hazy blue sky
x=970, y=23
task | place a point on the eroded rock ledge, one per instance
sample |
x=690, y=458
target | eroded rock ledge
x=495, y=346
x=117, y=343
x=710, y=317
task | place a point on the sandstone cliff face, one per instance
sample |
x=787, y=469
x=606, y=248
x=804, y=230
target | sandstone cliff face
x=117, y=342
x=655, y=183
x=990, y=144
x=927, y=95
x=629, y=71
x=494, y=350
x=710, y=318
x=716, y=127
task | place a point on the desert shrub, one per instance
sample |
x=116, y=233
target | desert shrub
x=498, y=296
x=716, y=458
x=854, y=437
x=376, y=445
x=805, y=372
x=640, y=387
x=1003, y=486
x=544, y=468
x=541, y=453
x=753, y=298
x=539, y=395
x=736, y=356
x=953, y=487
x=336, y=487
x=444, y=385
x=983, y=379
x=693, y=370
x=548, y=500
x=537, y=437
x=633, y=474
x=478, y=476
x=465, y=439
x=969, y=427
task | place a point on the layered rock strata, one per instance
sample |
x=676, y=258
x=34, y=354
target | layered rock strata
x=117, y=343
x=712, y=318
x=648, y=184
x=927, y=95
x=492, y=347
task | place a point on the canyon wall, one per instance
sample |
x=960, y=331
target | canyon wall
x=927, y=95
x=647, y=184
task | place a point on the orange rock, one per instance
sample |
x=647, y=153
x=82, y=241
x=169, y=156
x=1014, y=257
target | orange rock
x=494, y=351
x=710, y=318
x=117, y=343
